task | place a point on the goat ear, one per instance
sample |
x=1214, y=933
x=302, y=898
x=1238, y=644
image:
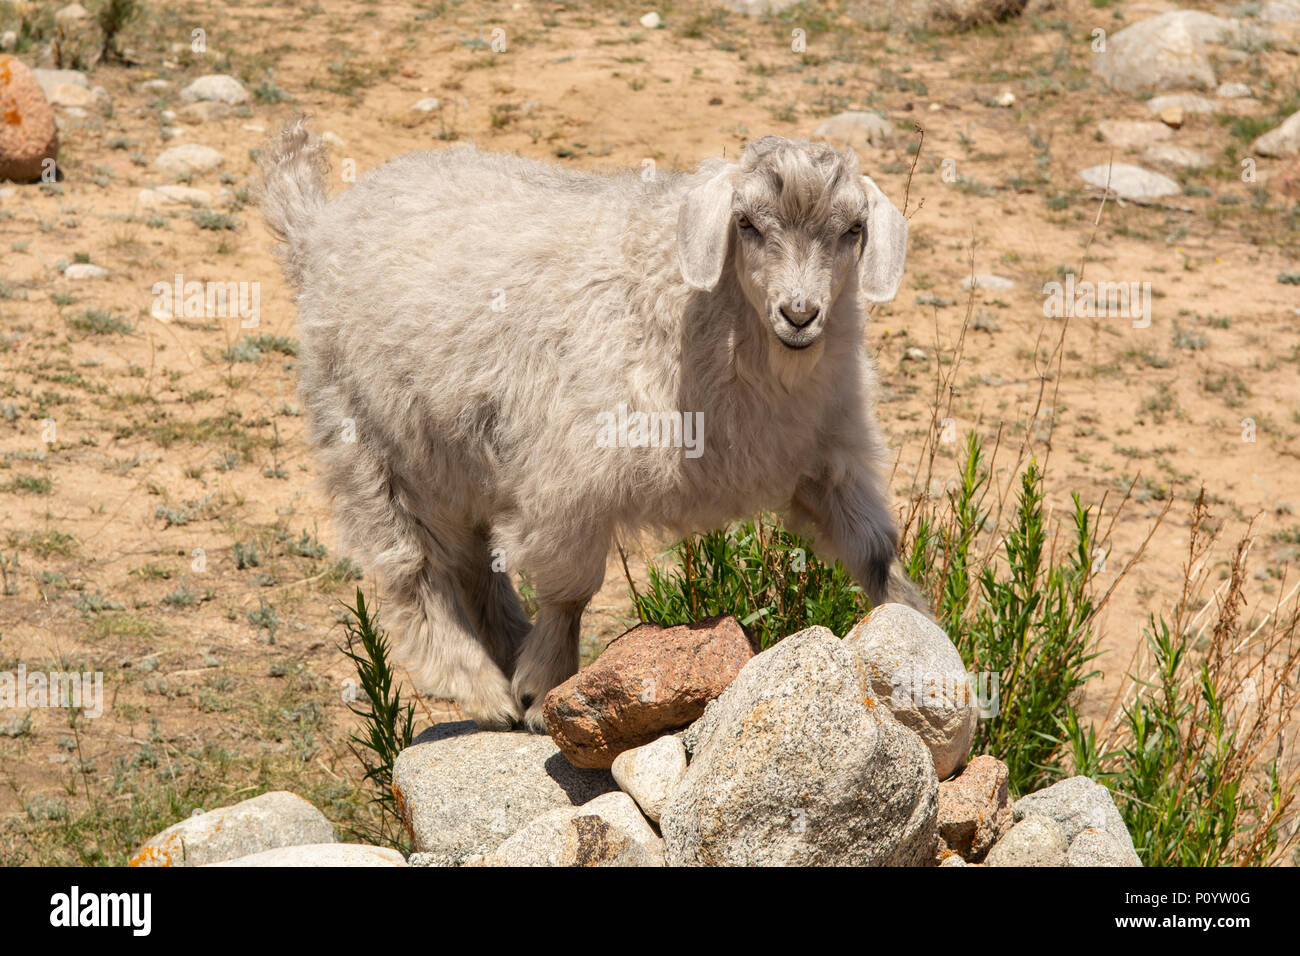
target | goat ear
x=880, y=269
x=703, y=227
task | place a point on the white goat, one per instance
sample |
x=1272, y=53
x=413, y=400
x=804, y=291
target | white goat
x=470, y=323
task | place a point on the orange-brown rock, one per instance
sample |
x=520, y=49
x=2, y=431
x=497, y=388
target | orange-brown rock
x=28, y=135
x=648, y=682
x=973, y=810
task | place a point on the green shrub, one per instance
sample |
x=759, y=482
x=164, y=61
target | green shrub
x=387, y=724
x=1016, y=592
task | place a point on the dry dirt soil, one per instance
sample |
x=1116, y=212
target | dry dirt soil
x=160, y=515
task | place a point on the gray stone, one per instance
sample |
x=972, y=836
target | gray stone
x=276, y=819
x=1098, y=848
x=70, y=96
x=907, y=662
x=650, y=774
x=988, y=282
x=620, y=810
x=1131, y=182
x=462, y=790
x=608, y=831
x=321, y=854
x=1163, y=52
x=1133, y=134
x=84, y=270
x=426, y=105
x=756, y=8
x=954, y=860
x=1282, y=141
x=1232, y=91
x=49, y=79
x=1034, y=841
x=855, y=129
x=1174, y=155
x=216, y=87
x=1187, y=102
x=795, y=765
x=185, y=160
x=1077, y=804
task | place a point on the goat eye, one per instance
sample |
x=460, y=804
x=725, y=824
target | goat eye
x=743, y=222
x=854, y=229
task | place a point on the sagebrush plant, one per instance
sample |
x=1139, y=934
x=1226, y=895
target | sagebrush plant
x=387, y=723
x=1197, y=749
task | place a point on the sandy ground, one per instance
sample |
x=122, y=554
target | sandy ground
x=136, y=454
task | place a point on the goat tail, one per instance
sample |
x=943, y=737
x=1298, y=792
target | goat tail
x=295, y=167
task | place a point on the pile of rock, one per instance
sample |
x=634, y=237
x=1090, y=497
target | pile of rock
x=685, y=746
x=818, y=751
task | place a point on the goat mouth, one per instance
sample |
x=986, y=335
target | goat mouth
x=795, y=338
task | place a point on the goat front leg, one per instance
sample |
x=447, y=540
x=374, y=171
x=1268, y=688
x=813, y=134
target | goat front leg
x=850, y=520
x=566, y=576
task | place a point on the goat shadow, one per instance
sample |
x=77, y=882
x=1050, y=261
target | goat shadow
x=579, y=785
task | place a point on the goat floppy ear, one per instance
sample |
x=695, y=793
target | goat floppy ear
x=880, y=268
x=703, y=227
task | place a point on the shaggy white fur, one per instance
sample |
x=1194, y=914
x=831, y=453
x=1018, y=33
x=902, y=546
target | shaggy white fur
x=470, y=322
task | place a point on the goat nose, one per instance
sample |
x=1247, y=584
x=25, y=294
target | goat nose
x=799, y=319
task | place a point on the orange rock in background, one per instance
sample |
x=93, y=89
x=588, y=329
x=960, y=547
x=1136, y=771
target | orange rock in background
x=28, y=135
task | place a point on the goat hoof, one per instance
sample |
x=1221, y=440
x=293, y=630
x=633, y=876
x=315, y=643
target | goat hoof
x=533, y=720
x=496, y=711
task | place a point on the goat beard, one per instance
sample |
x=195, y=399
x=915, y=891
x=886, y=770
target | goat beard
x=790, y=367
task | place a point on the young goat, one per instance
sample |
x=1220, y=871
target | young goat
x=474, y=326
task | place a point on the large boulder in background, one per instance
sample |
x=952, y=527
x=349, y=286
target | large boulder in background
x=271, y=821
x=646, y=682
x=28, y=135
x=1164, y=53
x=461, y=791
x=1284, y=140
x=795, y=766
x=907, y=662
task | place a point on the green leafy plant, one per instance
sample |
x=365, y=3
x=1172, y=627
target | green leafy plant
x=386, y=721
x=757, y=570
